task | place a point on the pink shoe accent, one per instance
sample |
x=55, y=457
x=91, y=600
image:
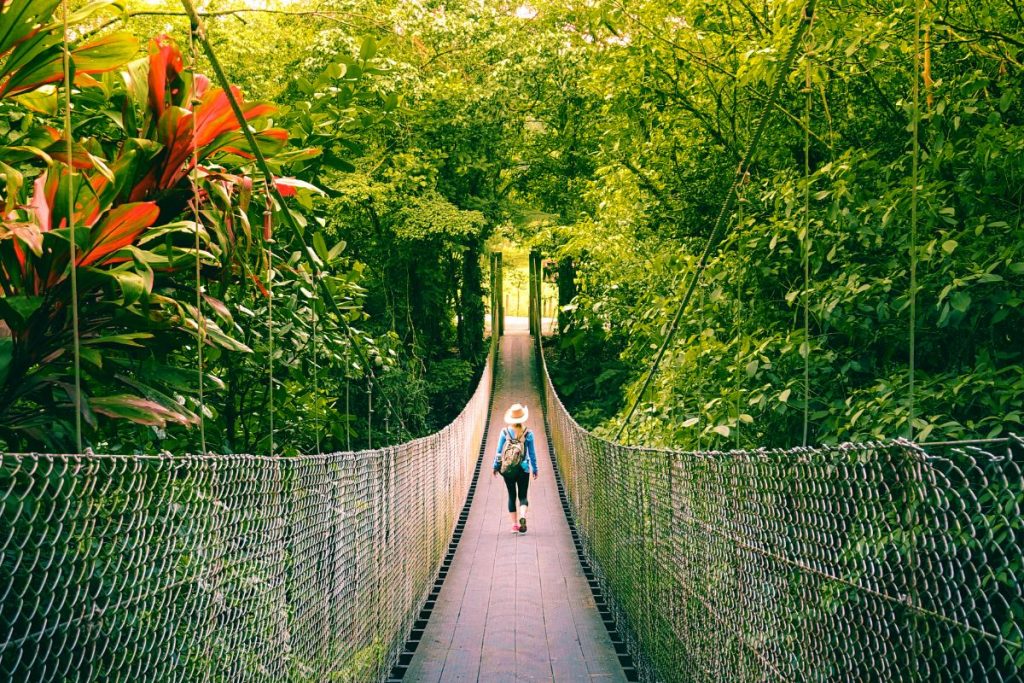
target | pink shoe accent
x=515, y=528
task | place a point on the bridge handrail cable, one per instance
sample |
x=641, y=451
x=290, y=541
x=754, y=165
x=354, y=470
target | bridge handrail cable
x=862, y=561
x=227, y=567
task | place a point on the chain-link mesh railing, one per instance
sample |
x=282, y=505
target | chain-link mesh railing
x=863, y=562
x=226, y=567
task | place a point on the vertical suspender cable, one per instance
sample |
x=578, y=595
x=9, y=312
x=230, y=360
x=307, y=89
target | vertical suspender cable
x=369, y=413
x=316, y=387
x=200, y=318
x=268, y=222
x=738, y=315
x=805, y=242
x=915, y=179
x=69, y=147
x=348, y=411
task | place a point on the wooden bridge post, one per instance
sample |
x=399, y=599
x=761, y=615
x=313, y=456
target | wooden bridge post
x=499, y=296
x=530, y=302
x=539, y=298
x=491, y=307
x=536, y=278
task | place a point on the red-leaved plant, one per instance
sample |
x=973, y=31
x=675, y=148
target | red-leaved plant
x=132, y=250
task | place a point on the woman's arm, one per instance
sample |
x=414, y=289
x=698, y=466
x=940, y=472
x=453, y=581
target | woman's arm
x=531, y=454
x=501, y=446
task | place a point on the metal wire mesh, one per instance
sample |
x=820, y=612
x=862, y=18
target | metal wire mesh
x=226, y=567
x=864, y=562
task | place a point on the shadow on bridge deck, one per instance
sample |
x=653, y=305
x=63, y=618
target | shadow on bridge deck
x=515, y=607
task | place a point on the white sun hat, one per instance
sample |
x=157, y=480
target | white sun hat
x=517, y=414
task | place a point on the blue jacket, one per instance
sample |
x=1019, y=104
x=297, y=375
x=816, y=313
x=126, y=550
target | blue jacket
x=529, y=462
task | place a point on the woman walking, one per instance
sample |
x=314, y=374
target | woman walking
x=516, y=461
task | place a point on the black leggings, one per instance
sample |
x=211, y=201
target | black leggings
x=522, y=480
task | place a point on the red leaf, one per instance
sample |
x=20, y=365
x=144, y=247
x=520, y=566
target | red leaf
x=181, y=131
x=245, y=194
x=118, y=229
x=40, y=202
x=175, y=132
x=165, y=65
x=23, y=235
x=289, y=186
x=144, y=186
x=260, y=285
x=27, y=233
x=215, y=117
x=139, y=410
x=271, y=141
x=200, y=84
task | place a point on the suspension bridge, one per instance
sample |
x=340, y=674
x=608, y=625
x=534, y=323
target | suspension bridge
x=880, y=561
x=887, y=561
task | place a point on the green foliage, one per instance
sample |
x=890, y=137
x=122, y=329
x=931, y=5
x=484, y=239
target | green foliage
x=155, y=142
x=611, y=136
x=449, y=385
x=666, y=150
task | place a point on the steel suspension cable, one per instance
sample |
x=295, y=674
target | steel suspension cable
x=200, y=318
x=73, y=254
x=738, y=319
x=915, y=180
x=727, y=203
x=316, y=363
x=805, y=241
x=268, y=222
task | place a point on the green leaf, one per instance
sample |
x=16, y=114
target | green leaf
x=13, y=179
x=690, y=422
x=960, y=301
x=368, y=49
x=127, y=339
x=91, y=355
x=336, y=250
x=6, y=355
x=220, y=308
x=42, y=101
x=949, y=246
x=321, y=246
x=722, y=429
x=39, y=61
x=784, y=396
x=132, y=285
x=135, y=409
x=16, y=310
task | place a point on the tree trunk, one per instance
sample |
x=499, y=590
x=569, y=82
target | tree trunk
x=471, y=306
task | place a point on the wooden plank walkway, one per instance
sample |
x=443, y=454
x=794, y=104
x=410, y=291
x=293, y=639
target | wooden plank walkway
x=515, y=607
